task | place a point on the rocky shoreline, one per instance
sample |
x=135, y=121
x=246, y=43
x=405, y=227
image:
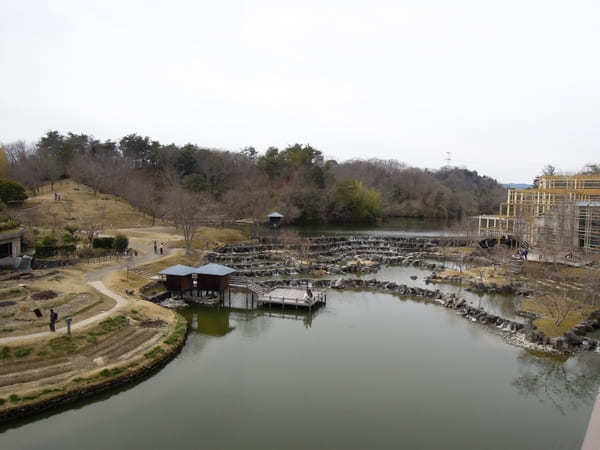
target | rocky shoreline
x=514, y=333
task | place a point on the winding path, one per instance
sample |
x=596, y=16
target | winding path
x=95, y=281
x=99, y=286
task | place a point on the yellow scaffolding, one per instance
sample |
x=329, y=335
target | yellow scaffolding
x=577, y=194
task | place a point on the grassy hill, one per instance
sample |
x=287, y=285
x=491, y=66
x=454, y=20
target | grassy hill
x=79, y=207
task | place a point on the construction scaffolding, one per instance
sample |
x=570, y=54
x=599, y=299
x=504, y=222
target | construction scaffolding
x=558, y=207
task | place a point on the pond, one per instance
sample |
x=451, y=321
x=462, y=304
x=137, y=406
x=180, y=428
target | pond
x=369, y=370
x=390, y=227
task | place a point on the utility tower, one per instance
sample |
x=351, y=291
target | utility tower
x=448, y=159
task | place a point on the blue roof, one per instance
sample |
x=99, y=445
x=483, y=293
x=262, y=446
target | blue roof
x=275, y=214
x=178, y=270
x=214, y=269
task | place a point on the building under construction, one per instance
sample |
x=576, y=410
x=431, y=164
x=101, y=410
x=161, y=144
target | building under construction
x=561, y=210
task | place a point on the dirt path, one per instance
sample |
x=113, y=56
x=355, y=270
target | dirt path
x=94, y=279
x=99, y=286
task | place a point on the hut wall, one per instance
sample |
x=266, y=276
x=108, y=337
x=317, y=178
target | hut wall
x=213, y=282
x=179, y=284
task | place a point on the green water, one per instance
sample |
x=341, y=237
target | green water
x=392, y=227
x=368, y=371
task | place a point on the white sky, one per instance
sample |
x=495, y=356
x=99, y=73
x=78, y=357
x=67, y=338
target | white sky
x=506, y=86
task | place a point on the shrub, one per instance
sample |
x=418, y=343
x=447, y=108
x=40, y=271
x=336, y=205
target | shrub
x=86, y=253
x=103, y=242
x=48, y=241
x=43, y=251
x=9, y=224
x=11, y=192
x=5, y=353
x=114, y=323
x=68, y=238
x=154, y=352
x=22, y=352
x=120, y=243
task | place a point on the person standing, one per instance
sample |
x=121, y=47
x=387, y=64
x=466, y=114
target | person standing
x=155, y=247
x=53, y=319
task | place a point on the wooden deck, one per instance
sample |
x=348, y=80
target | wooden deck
x=295, y=298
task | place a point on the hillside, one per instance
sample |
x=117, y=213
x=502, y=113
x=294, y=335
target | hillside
x=162, y=180
x=77, y=207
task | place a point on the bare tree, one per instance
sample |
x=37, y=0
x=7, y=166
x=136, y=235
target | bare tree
x=146, y=195
x=91, y=229
x=549, y=170
x=90, y=171
x=185, y=210
x=24, y=164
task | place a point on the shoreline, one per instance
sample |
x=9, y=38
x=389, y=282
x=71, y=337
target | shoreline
x=129, y=377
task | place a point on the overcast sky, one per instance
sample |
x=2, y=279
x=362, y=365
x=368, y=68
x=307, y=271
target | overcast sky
x=505, y=86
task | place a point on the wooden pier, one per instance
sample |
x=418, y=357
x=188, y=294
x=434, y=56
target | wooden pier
x=293, y=298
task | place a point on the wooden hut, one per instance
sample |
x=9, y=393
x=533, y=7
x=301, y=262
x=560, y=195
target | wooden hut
x=213, y=277
x=178, y=278
x=275, y=219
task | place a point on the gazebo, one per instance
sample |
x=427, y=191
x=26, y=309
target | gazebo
x=275, y=219
x=178, y=278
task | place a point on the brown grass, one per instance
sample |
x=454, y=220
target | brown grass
x=78, y=351
x=121, y=282
x=486, y=275
x=68, y=284
x=208, y=237
x=77, y=207
x=579, y=311
x=456, y=251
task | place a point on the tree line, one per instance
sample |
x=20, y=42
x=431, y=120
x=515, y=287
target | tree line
x=296, y=181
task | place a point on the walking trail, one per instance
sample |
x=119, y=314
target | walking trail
x=94, y=280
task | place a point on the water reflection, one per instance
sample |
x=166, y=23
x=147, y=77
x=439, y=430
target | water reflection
x=564, y=384
x=207, y=320
x=220, y=321
x=392, y=227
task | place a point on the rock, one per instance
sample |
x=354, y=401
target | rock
x=573, y=339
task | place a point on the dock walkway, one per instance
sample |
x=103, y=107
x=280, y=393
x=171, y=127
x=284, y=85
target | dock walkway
x=291, y=297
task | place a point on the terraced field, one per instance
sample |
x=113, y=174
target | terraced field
x=38, y=369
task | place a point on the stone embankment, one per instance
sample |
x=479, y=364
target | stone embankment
x=332, y=255
x=514, y=332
